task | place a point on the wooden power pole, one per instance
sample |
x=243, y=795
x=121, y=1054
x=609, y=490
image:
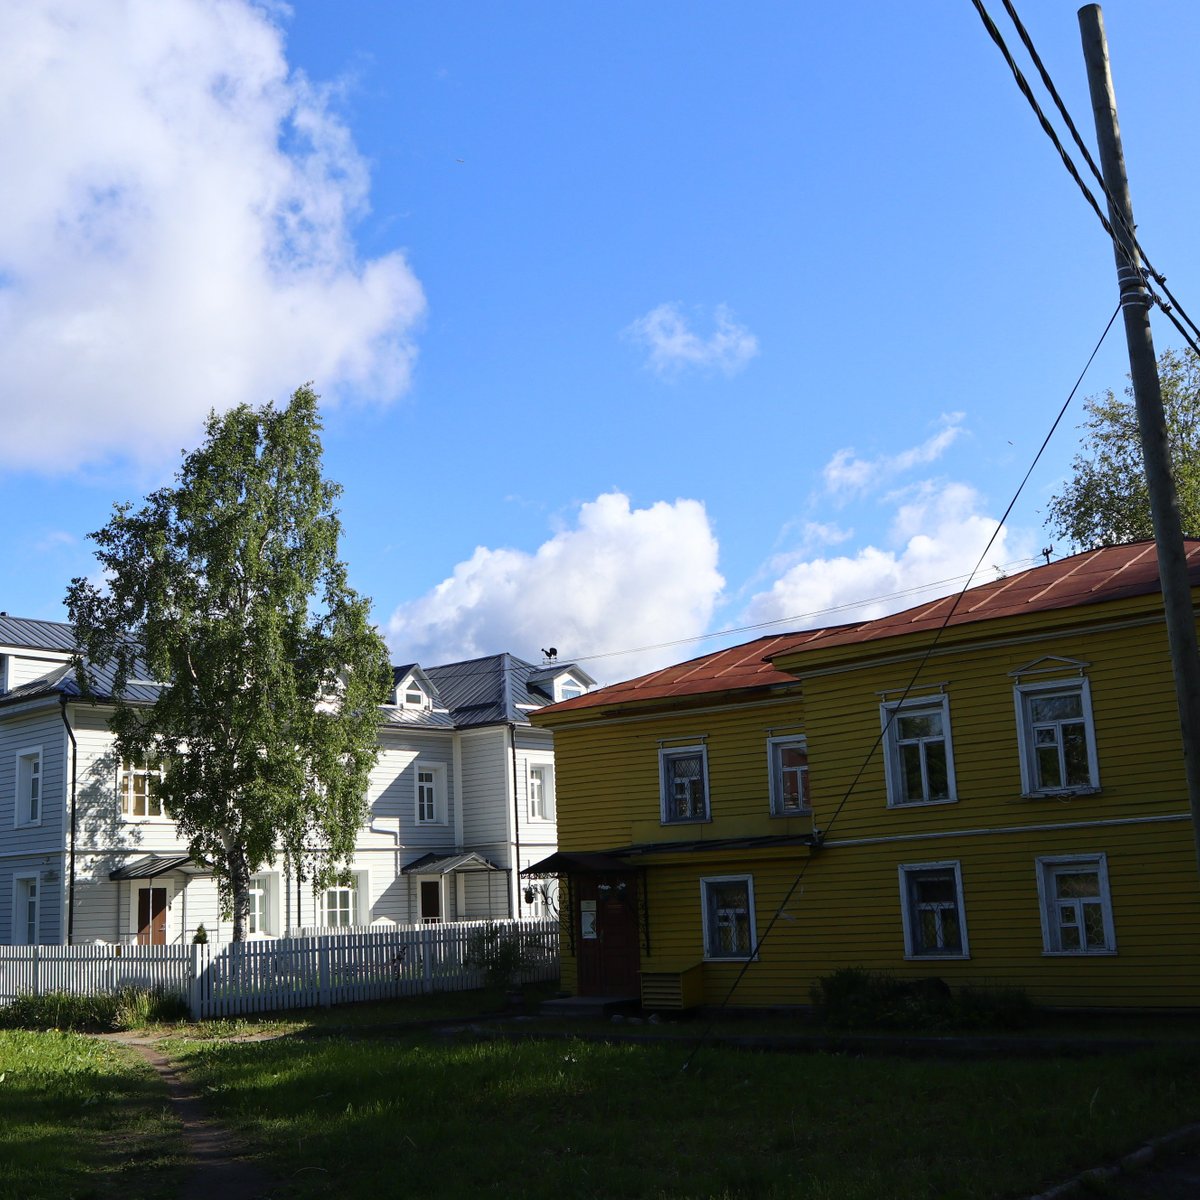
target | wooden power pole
x=1143, y=372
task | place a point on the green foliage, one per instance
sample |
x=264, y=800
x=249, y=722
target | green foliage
x=102, y=1012
x=226, y=588
x=200, y=937
x=501, y=953
x=1106, y=501
x=857, y=998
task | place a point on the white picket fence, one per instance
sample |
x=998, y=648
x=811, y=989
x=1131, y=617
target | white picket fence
x=369, y=963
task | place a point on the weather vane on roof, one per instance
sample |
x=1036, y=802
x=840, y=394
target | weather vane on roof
x=550, y=654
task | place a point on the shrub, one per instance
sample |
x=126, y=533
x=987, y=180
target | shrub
x=501, y=954
x=101, y=1012
x=200, y=937
x=857, y=998
x=61, y=1010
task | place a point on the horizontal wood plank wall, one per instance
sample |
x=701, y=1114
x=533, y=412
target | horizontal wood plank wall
x=847, y=912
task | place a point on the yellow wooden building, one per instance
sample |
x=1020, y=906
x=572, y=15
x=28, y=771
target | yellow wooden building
x=988, y=789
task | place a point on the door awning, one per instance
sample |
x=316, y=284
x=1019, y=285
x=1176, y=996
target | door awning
x=150, y=866
x=446, y=864
x=596, y=863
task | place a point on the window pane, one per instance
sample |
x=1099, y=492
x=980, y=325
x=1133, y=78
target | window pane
x=920, y=725
x=935, y=767
x=1071, y=884
x=910, y=761
x=1075, y=753
x=1049, y=774
x=935, y=887
x=686, y=776
x=729, y=919
x=1056, y=708
x=1093, y=927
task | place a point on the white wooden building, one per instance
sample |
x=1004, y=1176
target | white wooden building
x=461, y=799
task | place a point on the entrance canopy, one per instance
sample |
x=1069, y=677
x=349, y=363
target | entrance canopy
x=446, y=864
x=152, y=865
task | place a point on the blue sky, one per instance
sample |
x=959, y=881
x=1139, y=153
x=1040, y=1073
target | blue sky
x=634, y=322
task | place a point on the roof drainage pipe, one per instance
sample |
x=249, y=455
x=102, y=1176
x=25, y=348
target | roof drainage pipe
x=71, y=854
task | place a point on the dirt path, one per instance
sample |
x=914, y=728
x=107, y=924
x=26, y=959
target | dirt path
x=218, y=1168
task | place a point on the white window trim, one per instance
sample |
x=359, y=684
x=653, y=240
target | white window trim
x=910, y=952
x=438, y=770
x=775, y=775
x=1025, y=742
x=20, y=802
x=666, y=753
x=889, y=714
x=267, y=883
x=19, y=879
x=1045, y=865
x=546, y=770
x=748, y=880
x=360, y=902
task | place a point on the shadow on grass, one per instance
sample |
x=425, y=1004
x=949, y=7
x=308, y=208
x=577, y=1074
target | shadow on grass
x=463, y=1118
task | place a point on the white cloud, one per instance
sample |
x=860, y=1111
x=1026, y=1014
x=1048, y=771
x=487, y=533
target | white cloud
x=673, y=345
x=175, y=233
x=621, y=578
x=846, y=474
x=937, y=536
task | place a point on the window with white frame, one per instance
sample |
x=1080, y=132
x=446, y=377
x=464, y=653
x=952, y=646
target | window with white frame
x=683, y=781
x=918, y=758
x=29, y=787
x=541, y=792
x=787, y=759
x=1076, y=909
x=260, y=906
x=1055, y=736
x=25, y=911
x=931, y=901
x=138, y=787
x=431, y=793
x=569, y=688
x=339, y=904
x=728, y=910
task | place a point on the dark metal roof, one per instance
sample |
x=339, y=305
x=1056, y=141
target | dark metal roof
x=493, y=690
x=443, y=863
x=36, y=635
x=153, y=865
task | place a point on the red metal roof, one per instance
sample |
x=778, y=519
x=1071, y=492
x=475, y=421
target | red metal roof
x=1096, y=576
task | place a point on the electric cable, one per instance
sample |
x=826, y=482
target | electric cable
x=1114, y=208
x=1125, y=252
x=894, y=707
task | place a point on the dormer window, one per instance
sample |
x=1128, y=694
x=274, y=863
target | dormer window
x=410, y=694
x=414, y=697
x=569, y=688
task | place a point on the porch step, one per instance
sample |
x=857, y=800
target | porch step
x=588, y=1006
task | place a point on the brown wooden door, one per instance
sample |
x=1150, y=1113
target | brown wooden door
x=610, y=960
x=152, y=916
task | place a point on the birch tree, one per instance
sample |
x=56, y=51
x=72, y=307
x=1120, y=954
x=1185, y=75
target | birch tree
x=227, y=590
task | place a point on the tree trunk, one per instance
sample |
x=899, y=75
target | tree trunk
x=239, y=882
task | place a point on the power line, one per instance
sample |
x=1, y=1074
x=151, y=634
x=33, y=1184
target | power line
x=895, y=708
x=1124, y=251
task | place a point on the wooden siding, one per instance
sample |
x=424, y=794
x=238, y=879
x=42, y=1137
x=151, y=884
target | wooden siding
x=847, y=909
x=25, y=668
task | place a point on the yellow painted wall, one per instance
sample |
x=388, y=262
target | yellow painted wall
x=847, y=909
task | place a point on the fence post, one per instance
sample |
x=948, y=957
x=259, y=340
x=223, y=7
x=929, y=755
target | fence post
x=37, y=973
x=427, y=957
x=196, y=987
x=323, y=972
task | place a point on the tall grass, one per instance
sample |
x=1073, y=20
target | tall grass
x=127, y=1008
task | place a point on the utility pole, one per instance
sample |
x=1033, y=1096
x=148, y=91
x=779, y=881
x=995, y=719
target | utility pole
x=1143, y=372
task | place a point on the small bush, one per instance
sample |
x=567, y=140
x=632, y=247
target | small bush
x=102, y=1012
x=857, y=998
x=200, y=937
x=501, y=954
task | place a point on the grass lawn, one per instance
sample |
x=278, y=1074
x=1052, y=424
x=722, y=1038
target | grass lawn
x=81, y=1118
x=371, y=1115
